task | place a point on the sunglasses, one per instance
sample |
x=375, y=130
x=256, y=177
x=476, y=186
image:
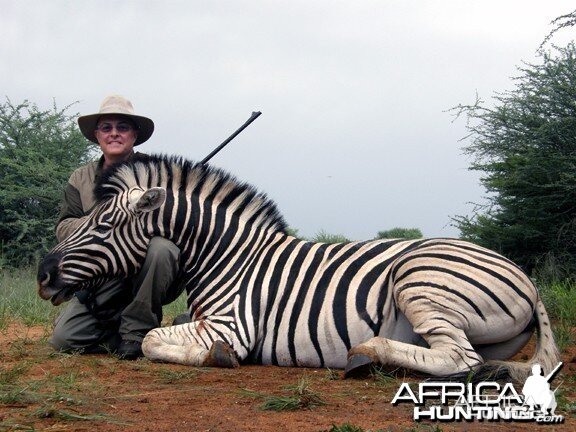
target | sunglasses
x=120, y=128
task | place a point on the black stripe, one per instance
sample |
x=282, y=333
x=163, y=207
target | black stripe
x=288, y=290
x=181, y=210
x=299, y=303
x=204, y=230
x=167, y=214
x=274, y=287
x=224, y=238
x=244, y=286
x=319, y=296
x=453, y=258
x=443, y=288
x=191, y=229
x=465, y=278
x=339, y=306
x=471, y=247
x=215, y=294
x=335, y=249
x=368, y=282
x=257, y=295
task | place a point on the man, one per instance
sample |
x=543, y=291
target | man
x=120, y=313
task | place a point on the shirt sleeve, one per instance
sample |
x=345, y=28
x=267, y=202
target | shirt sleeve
x=71, y=215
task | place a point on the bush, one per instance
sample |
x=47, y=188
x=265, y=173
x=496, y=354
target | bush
x=38, y=151
x=324, y=237
x=400, y=233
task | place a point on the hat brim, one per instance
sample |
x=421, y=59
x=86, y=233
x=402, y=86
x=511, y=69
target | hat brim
x=89, y=122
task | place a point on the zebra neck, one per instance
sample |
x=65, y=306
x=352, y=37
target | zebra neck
x=221, y=270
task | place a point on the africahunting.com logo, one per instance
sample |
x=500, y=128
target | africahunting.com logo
x=487, y=400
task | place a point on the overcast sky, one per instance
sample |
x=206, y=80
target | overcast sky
x=355, y=136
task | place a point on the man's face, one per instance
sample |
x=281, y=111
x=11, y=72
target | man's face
x=116, y=136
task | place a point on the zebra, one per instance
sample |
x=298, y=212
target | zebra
x=256, y=294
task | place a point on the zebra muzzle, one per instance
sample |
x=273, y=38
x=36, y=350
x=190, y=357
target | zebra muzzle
x=49, y=284
x=55, y=295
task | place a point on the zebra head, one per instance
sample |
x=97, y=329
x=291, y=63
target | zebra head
x=110, y=243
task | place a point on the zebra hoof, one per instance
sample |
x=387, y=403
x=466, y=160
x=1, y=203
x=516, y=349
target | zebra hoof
x=221, y=355
x=358, y=365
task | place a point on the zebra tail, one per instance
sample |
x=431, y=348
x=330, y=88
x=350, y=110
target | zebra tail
x=546, y=354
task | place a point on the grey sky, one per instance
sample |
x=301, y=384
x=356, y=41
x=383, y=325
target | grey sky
x=354, y=136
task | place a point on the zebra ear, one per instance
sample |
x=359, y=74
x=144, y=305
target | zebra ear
x=147, y=201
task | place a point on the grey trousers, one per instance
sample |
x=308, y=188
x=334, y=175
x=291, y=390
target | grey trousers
x=136, y=303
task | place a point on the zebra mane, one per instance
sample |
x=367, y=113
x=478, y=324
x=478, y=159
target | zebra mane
x=178, y=174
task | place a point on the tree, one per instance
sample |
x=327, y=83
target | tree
x=38, y=151
x=562, y=22
x=526, y=148
x=400, y=233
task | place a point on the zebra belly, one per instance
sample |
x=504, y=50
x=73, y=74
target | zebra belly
x=327, y=348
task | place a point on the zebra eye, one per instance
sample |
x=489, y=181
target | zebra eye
x=103, y=228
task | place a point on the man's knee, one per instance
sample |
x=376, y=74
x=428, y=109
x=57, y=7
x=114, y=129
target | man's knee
x=77, y=329
x=66, y=338
x=85, y=339
x=160, y=271
x=59, y=340
x=162, y=252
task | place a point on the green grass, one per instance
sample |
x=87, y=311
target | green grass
x=299, y=397
x=383, y=377
x=47, y=385
x=168, y=376
x=174, y=309
x=12, y=391
x=560, y=301
x=19, y=300
x=347, y=427
x=333, y=374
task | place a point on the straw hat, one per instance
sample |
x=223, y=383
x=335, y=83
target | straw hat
x=121, y=106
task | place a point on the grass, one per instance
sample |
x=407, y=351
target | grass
x=8, y=375
x=12, y=392
x=383, y=377
x=62, y=397
x=347, y=427
x=52, y=411
x=174, y=309
x=40, y=385
x=560, y=301
x=168, y=376
x=19, y=300
x=333, y=374
x=300, y=396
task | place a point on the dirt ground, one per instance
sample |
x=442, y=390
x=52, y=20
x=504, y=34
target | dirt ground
x=43, y=390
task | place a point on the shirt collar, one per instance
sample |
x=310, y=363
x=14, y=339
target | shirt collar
x=101, y=163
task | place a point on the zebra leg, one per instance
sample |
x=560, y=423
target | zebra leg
x=450, y=351
x=177, y=344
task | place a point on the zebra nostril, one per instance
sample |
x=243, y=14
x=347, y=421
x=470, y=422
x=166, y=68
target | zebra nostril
x=44, y=280
x=43, y=286
x=48, y=270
